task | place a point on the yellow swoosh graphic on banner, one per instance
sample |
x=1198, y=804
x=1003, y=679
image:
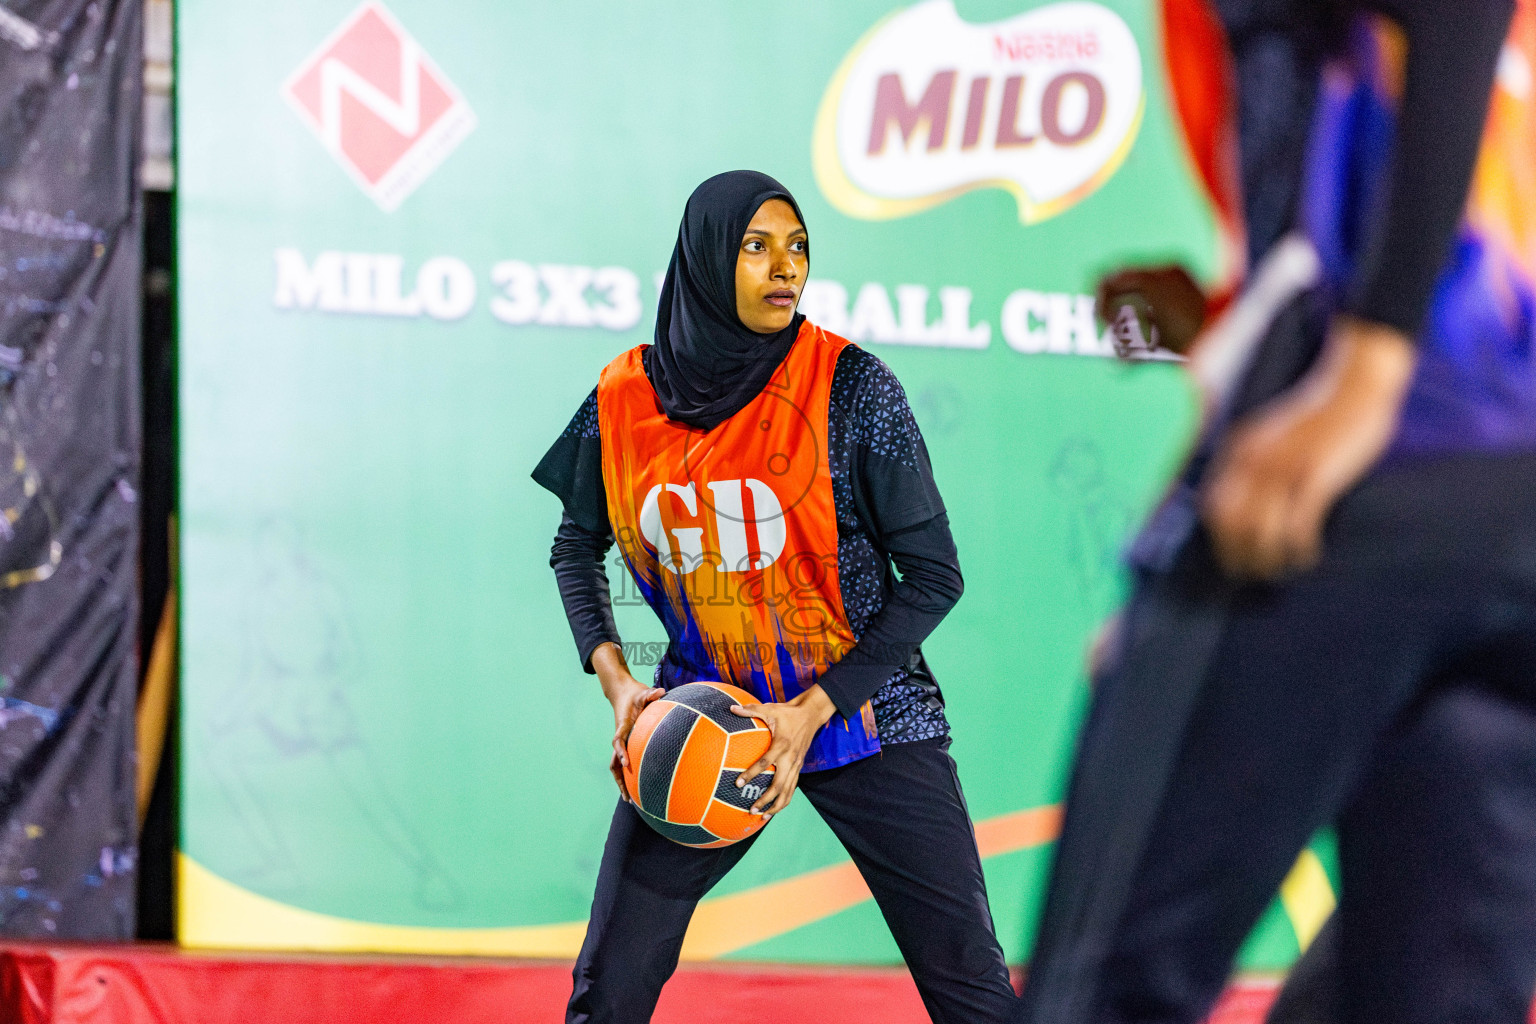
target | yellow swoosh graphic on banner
x=218, y=914
x=728, y=923
x=1307, y=896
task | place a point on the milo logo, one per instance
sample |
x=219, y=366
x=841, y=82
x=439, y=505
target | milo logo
x=925, y=107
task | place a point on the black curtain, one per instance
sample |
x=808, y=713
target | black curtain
x=70, y=421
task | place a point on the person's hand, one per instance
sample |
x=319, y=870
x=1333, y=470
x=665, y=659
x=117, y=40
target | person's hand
x=793, y=726
x=1177, y=303
x=1281, y=470
x=1103, y=644
x=629, y=697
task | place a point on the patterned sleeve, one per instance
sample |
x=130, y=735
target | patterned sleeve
x=572, y=470
x=893, y=485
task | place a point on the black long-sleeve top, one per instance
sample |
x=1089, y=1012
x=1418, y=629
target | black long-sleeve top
x=1278, y=48
x=889, y=513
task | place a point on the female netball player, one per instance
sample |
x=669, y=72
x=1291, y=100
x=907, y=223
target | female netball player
x=761, y=476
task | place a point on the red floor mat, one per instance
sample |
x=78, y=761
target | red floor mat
x=157, y=984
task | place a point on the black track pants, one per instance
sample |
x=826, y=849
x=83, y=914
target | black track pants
x=1440, y=852
x=902, y=818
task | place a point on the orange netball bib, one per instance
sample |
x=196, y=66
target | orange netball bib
x=731, y=534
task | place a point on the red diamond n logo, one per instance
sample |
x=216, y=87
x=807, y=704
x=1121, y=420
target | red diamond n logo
x=379, y=104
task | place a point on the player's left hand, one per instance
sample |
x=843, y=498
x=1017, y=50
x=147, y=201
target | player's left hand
x=793, y=725
x=1283, y=468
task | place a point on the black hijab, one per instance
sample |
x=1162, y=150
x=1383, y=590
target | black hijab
x=706, y=365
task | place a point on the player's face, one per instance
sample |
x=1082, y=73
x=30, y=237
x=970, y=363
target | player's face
x=771, y=267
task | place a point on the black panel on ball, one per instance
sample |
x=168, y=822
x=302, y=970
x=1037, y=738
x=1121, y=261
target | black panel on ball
x=688, y=835
x=660, y=761
x=713, y=703
x=727, y=792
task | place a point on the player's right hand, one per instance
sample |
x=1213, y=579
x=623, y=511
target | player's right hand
x=1281, y=470
x=629, y=697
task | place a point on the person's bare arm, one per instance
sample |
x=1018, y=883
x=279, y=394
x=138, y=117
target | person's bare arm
x=628, y=696
x=1282, y=469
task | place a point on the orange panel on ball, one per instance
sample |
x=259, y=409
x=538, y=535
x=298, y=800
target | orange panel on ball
x=698, y=770
x=731, y=823
x=744, y=748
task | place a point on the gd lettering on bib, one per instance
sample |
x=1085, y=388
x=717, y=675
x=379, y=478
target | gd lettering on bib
x=730, y=535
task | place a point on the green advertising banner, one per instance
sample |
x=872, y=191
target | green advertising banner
x=412, y=235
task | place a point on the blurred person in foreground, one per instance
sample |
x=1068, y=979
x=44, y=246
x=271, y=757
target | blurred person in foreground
x=1335, y=611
